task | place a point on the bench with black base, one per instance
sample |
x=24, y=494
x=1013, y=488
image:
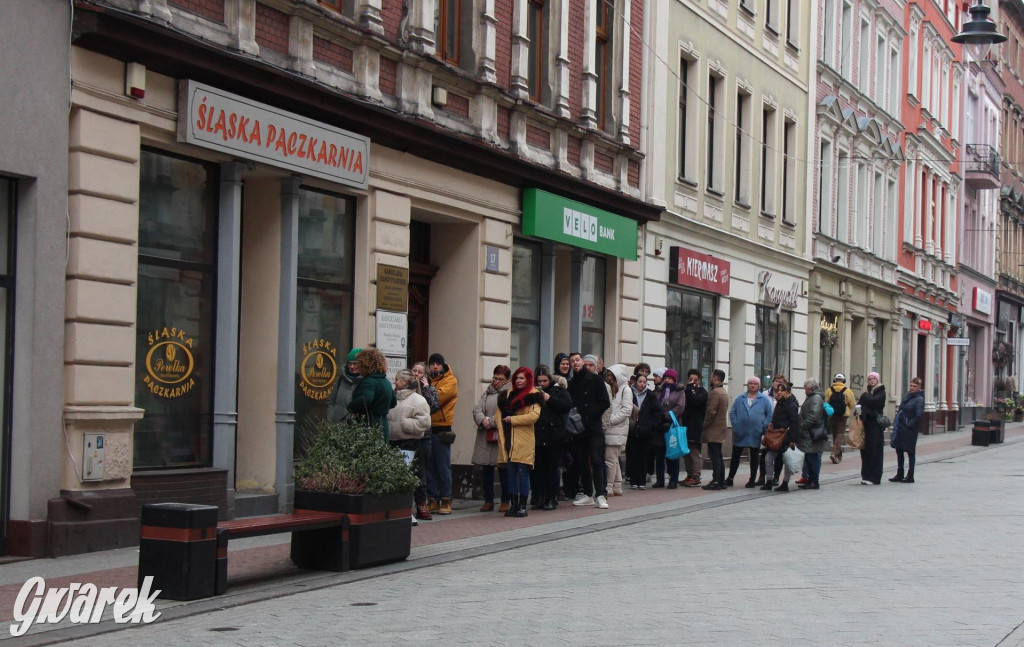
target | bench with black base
x=185, y=549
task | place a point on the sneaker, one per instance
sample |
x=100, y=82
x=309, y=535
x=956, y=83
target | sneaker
x=634, y=487
x=422, y=512
x=713, y=485
x=414, y=522
x=801, y=480
x=583, y=499
x=672, y=486
x=602, y=502
x=727, y=483
x=641, y=487
x=866, y=482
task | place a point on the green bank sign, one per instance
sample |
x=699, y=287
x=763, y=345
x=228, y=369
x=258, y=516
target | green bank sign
x=547, y=215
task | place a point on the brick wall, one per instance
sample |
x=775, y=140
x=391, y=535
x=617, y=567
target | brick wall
x=458, y=105
x=538, y=137
x=603, y=162
x=391, y=14
x=572, y=152
x=576, y=36
x=271, y=29
x=504, y=117
x=633, y=174
x=388, y=76
x=503, y=45
x=209, y=9
x=332, y=54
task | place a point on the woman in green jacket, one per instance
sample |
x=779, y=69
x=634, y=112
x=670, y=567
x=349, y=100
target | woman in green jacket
x=374, y=396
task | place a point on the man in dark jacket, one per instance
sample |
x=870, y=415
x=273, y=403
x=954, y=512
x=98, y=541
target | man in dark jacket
x=693, y=419
x=590, y=397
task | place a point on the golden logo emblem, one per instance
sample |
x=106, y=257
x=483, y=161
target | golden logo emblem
x=169, y=363
x=318, y=369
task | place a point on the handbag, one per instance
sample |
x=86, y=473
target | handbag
x=855, y=434
x=675, y=439
x=574, y=423
x=446, y=437
x=883, y=421
x=818, y=434
x=773, y=438
x=492, y=436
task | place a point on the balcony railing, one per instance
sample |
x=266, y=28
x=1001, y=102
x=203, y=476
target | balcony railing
x=982, y=158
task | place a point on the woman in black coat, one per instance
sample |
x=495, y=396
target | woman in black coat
x=904, y=430
x=872, y=405
x=786, y=415
x=648, y=424
x=550, y=436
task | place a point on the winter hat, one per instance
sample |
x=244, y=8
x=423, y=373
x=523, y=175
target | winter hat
x=670, y=373
x=435, y=358
x=661, y=371
x=754, y=378
x=874, y=375
x=591, y=358
x=839, y=378
x=352, y=354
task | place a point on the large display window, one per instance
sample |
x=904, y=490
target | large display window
x=175, y=311
x=690, y=332
x=592, y=298
x=526, y=299
x=772, y=342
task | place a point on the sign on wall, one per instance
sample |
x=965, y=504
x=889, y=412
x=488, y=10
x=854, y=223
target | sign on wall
x=392, y=287
x=392, y=329
x=553, y=217
x=318, y=368
x=982, y=301
x=169, y=362
x=698, y=270
x=232, y=124
x=780, y=296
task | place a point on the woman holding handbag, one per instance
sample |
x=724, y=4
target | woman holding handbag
x=485, y=450
x=648, y=423
x=785, y=422
x=872, y=405
x=519, y=408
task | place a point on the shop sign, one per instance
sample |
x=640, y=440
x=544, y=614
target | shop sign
x=232, y=124
x=957, y=320
x=553, y=217
x=982, y=301
x=958, y=341
x=700, y=271
x=318, y=369
x=779, y=296
x=392, y=288
x=392, y=328
x=169, y=363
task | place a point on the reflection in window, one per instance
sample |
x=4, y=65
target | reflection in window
x=592, y=301
x=771, y=342
x=690, y=333
x=536, y=31
x=176, y=291
x=448, y=29
x=526, y=290
x=323, y=322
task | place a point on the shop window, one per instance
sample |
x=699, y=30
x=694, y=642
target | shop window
x=175, y=317
x=772, y=341
x=878, y=345
x=592, y=298
x=690, y=333
x=828, y=340
x=526, y=295
x=323, y=322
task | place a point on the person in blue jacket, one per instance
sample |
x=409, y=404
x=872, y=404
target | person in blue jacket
x=749, y=416
x=905, y=428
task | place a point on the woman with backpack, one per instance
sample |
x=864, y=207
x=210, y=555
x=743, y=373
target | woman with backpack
x=841, y=399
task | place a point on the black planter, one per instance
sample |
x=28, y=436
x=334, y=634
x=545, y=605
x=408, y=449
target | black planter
x=997, y=431
x=379, y=531
x=981, y=433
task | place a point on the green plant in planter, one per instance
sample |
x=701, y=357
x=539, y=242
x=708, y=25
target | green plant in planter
x=350, y=457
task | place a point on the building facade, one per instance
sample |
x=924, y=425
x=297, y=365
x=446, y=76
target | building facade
x=726, y=269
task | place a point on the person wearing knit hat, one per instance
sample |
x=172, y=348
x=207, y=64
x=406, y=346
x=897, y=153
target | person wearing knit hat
x=439, y=472
x=344, y=385
x=671, y=400
x=750, y=414
x=586, y=478
x=872, y=407
x=657, y=376
x=841, y=398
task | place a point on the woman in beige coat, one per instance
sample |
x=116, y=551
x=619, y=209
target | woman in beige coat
x=716, y=428
x=485, y=450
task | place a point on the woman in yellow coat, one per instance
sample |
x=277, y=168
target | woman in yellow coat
x=519, y=408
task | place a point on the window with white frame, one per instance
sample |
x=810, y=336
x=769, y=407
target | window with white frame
x=789, y=172
x=893, y=105
x=687, y=120
x=943, y=98
x=915, y=62
x=825, y=187
x=926, y=77
x=860, y=201
x=843, y=196
x=880, y=71
x=768, y=165
x=741, y=154
x=882, y=249
x=864, y=57
x=954, y=123
x=828, y=34
x=846, y=41
x=876, y=214
x=714, y=150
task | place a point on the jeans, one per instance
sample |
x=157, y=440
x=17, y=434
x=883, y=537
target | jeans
x=487, y=474
x=813, y=463
x=439, y=469
x=519, y=479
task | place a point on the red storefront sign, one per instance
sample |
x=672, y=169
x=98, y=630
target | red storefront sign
x=700, y=271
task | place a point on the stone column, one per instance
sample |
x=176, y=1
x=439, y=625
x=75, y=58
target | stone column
x=284, y=417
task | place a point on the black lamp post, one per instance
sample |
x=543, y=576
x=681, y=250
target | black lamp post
x=979, y=33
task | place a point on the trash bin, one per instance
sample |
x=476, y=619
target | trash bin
x=997, y=431
x=981, y=434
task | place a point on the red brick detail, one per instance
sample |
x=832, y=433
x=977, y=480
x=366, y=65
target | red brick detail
x=504, y=119
x=391, y=15
x=271, y=29
x=633, y=173
x=388, y=76
x=209, y=9
x=576, y=38
x=538, y=137
x=572, y=151
x=332, y=54
x=636, y=70
x=603, y=162
x=503, y=45
x=458, y=105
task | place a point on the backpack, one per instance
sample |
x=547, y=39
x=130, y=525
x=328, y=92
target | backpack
x=838, y=402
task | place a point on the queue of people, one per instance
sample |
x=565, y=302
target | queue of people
x=525, y=440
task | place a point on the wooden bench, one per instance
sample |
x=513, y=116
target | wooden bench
x=185, y=549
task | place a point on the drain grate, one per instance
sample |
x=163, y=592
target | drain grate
x=223, y=629
x=363, y=604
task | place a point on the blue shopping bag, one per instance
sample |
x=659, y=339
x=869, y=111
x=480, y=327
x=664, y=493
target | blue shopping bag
x=675, y=440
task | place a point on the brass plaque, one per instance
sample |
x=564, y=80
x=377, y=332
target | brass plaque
x=392, y=288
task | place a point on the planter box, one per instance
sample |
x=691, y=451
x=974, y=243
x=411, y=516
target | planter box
x=379, y=531
x=997, y=432
x=981, y=433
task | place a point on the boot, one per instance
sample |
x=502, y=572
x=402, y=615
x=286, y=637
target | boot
x=537, y=504
x=766, y=486
x=446, y=506
x=422, y=512
x=751, y=483
x=487, y=506
x=503, y=507
x=513, y=505
x=910, y=476
x=783, y=487
x=521, y=512
x=899, y=476
x=432, y=505
x=549, y=504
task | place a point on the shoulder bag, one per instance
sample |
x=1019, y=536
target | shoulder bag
x=773, y=438
x=574, y=423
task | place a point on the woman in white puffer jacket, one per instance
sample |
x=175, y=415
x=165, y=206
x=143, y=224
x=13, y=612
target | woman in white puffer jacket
x=616, y=426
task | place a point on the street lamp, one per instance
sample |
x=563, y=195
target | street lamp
x=980, y=33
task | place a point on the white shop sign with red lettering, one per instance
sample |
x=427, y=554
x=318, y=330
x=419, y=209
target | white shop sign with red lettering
x=699, y=271
x=226, y=122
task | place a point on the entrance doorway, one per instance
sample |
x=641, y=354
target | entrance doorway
x=421, y=273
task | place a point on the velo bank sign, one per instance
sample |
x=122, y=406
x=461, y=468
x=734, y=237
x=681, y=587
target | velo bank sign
x=553, y=217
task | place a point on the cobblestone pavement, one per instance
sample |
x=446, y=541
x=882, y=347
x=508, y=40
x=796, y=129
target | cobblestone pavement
x=933, y=563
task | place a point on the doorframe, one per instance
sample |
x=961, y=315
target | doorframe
x=6, y=431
